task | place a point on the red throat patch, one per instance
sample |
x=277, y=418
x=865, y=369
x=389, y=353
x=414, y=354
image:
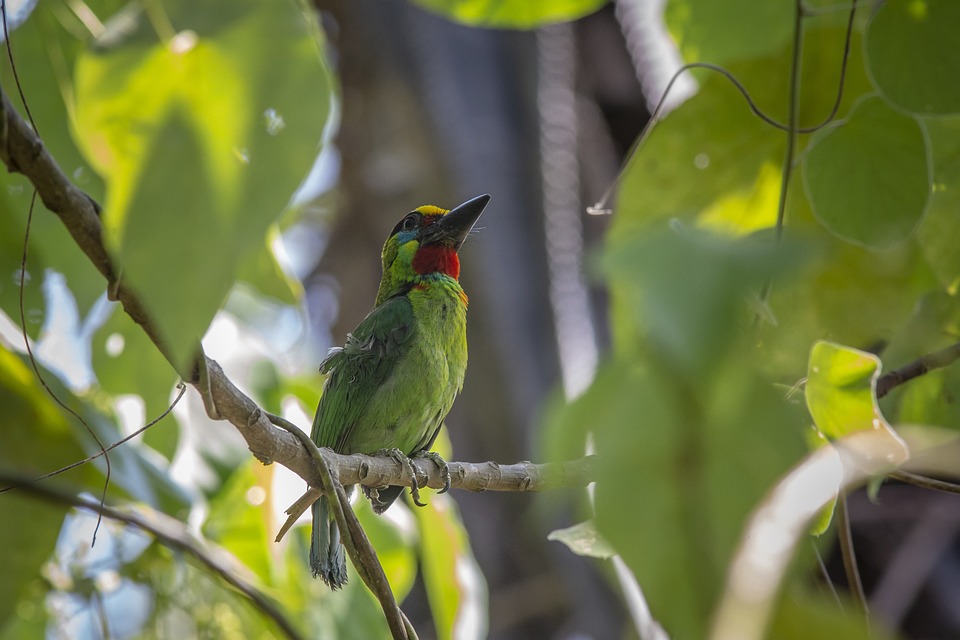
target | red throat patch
x=437, y=259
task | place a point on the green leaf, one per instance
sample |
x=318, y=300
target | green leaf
x=855, y=295
x=801, y=615
x=239, y=517
x=689, y=288
x=584, y=540
x=34, y=437
x=511, y=14
x=30, y=619
x=683, y=467
x=913, y=55
x=455, y=586
x=841, y=396
x=816, y=439
x=203, y=140
x=868, y=178
x=841, y=390
x=720, y=32
x=941, y=226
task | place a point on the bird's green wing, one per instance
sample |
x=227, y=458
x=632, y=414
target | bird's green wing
x=359, y=368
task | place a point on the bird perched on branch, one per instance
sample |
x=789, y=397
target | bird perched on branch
x=393, y=382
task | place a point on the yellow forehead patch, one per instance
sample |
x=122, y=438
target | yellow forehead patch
x=430, y=210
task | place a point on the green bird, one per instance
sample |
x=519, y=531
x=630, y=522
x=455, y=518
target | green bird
x=391, y=385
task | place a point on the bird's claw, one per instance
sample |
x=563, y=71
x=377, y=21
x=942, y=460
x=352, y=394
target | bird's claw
x=404, y=461
x=440, y=462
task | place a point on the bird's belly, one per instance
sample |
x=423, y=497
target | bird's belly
x=409, y=406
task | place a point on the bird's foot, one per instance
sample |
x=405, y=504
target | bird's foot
x=404, y=461
x=440, y=462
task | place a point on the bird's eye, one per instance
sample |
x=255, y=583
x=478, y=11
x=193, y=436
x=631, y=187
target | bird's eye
x=411, y=222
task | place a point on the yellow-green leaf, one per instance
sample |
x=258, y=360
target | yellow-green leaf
x=203, y=131
x=841, y=390
x=511, y=14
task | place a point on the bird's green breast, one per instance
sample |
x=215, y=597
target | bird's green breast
x=414, y=398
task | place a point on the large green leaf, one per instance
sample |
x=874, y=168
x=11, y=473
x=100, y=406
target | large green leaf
x=683, y=467
x=690, y=435
x=855, y=295
x=688, y=290
x=511, y=14
x=203, y=138
x=868, y=178
x=720, y=32
x=913, y=55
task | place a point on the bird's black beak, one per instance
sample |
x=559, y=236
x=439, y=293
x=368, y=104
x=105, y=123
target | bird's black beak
x=452, y=229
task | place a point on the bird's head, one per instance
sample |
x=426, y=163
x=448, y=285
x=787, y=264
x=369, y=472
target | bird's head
x=424, y=244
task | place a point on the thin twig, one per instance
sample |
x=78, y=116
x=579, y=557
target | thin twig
x=920, y=366
x=36, y=367
x=13, y=66
x=845, y=535
x=102, y=452
x=171, y=533
x=793, y=110
x=924, y=481
x=825, y=575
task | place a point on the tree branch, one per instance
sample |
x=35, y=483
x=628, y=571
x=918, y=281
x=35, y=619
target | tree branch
x=23, y=152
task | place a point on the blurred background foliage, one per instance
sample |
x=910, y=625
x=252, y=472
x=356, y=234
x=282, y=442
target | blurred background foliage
x=251, y=157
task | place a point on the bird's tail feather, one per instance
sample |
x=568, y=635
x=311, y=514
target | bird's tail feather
x=326, y=553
